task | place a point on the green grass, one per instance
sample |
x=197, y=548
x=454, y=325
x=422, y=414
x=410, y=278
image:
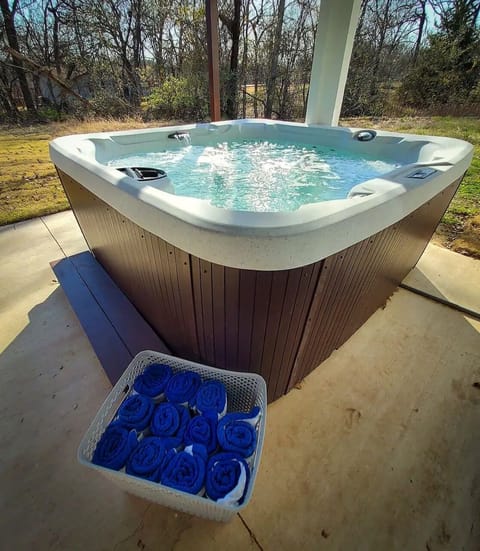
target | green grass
x=28, y=183
x=29, y=186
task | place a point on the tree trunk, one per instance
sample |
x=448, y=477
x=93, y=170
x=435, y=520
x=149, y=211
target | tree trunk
x=12, y=38
x=233, y=25
x=245, y=59
x=272, y=76
x=56, y=45
x=6, y=96
x=137, y=33
x=361, y=19
x=421, y=25
x=255, y=72
x=159, y=65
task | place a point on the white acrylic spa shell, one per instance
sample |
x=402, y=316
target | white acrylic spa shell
x=244, y=390
x=266, y=240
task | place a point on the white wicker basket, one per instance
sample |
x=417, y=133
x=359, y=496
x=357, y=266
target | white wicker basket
x=244, y=390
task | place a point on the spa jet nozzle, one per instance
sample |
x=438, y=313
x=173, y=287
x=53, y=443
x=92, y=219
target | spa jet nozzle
x=179, y=136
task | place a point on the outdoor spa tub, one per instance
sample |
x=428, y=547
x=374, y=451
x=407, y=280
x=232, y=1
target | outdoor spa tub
x=258, y=245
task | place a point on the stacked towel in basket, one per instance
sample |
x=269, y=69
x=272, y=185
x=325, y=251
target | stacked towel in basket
x=174, y=429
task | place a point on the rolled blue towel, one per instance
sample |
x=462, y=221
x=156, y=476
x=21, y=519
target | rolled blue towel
x=182, y=387
x=153, y=381
x=227, y=478
x=185, y=470
x=202, y=429
x=211, y=396
x=114, y=447
x=171, y=442
x=135, y=412
x=147, y=459
x=236, y=432
x=170, y=420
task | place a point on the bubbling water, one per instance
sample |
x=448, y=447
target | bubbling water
x=260, y=176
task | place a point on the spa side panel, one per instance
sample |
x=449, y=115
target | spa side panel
x=281, y=324
x=355, y=282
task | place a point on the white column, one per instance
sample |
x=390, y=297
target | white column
x=337, y=22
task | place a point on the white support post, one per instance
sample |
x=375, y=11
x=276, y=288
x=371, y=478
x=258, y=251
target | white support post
x=337, y=23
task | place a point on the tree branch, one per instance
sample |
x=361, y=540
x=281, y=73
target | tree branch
x=262, y=101
x=47, y=72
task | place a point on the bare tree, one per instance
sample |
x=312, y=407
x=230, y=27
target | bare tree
x=8, y=13
x=128, y=54
x=421, y=12
x=232, y=22
x=381, y=53
x=273, y=65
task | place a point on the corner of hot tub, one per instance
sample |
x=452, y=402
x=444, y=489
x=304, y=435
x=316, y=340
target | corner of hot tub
x=91, y=147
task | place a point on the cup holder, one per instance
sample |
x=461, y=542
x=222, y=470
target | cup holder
x=143, y=173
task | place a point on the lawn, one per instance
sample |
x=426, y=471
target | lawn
x=29, y=186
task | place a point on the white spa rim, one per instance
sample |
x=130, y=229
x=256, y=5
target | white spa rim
x=266, y=240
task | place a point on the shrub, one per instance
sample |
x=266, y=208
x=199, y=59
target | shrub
x=446, y=71
x=50, y=113
x=107, y=103
x=177, y=98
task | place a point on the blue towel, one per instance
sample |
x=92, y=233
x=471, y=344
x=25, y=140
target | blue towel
x=182, y=387
x=171, y=442
x=227, y=478
x=211, y=395
x=147, y=458
x=153, y=381
x=185, y=471
x=114, y=447
x=236, y=432
x=170, y=420
x=202, y=429
x=135, y=412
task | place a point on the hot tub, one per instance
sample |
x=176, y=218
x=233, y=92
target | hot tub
x=269, y=292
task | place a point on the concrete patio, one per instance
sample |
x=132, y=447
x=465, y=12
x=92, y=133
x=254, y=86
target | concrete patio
x=377, y=449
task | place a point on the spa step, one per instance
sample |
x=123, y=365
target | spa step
x=115, y=329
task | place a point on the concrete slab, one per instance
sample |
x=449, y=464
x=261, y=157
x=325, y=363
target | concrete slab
x=377, y=449
x=51, y=383
x=448, y=275
x=26, y=278
x=65, y=230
